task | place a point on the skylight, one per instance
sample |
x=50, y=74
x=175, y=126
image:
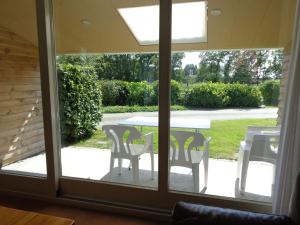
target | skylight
x=189, y=23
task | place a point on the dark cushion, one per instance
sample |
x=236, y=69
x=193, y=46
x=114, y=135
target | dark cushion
x=192, y=214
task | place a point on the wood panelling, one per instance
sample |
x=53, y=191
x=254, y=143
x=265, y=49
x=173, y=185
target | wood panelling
x=21, y=121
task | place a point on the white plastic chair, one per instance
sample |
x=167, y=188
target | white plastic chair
x=260, y=144
x=122, y=148
x=192, y=156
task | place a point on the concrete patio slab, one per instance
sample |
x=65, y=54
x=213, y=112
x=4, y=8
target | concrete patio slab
x=93, y=163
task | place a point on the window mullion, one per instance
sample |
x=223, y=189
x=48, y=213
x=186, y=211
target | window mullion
x=164, y=93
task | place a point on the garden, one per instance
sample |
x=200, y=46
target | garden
x=92, y=86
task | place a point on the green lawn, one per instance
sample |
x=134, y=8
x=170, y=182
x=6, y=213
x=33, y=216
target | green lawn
x=226, y=136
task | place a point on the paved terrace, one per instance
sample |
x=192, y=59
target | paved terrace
x=92, y=163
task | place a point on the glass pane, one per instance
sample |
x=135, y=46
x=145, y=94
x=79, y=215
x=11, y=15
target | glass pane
x=22, y=147
x=227, y=97
x=108, y=92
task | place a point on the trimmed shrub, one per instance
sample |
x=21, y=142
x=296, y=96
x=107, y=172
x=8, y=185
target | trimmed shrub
x=80, y=101
x=270, y=90
x=242, y=95
x=220, y=95
x=115, y=92
x=207, y=95
x=176, y=90
x=139, y=93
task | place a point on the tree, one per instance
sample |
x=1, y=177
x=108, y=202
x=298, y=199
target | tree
x=210, y=66
x=177, y=72
x=274, y=71
x=147, y=66
x=190, y=69
x=118, y=67
x=242, y=74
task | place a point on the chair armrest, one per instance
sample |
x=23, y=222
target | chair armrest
x=148, y=136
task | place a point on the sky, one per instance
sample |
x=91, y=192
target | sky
x=190, y=58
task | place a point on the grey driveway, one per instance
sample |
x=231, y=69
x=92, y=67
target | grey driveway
x=219, y=114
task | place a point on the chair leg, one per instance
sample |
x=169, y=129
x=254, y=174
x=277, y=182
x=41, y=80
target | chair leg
x=195, y=169
x=120, y=160
x=205, y=164
x=112, y=161
x=239, y=164
x=273, y=180
x=135, y=170
x=244, y=170
x=152, y=165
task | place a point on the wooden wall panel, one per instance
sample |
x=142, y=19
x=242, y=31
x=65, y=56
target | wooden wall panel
x=21, y=118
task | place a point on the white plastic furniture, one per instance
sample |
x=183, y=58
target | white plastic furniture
x=175, y=122
x=192, y=156
x=260, y=144
x=122, y=148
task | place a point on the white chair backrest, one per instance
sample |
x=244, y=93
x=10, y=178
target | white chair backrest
x=148, y=141
x=121, y=145
x=181, y=138
x=253, y=130
x=264, y=148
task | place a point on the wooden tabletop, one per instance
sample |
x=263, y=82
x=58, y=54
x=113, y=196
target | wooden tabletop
x=10, y=216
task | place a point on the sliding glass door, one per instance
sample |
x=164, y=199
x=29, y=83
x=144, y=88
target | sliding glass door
x=140, y=104
x=108, y=86
x=220, y=99
x=229, y=70
x=22, y=140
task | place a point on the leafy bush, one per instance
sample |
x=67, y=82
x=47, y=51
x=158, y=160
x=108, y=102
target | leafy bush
x=139, y=93
x=208, y=95
x=219, y=95
x=80, y=101
x=176, y=89
x=241, y=95
x=270, y=91
x=115, y=92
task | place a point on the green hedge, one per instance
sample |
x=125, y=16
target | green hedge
x=116, y=92
x=208, y=95
x=200, y=95
x=140, y=93
x=220, y=95
x=80, y=101
x=176, y=90
x=242, y=95
x=270, y=91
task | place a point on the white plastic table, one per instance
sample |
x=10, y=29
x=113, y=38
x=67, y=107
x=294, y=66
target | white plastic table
x=174, y=123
